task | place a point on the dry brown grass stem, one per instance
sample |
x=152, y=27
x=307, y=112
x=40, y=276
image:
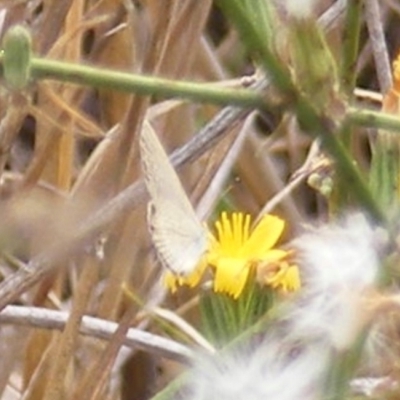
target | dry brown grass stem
x=378, y=44
x=95, y=327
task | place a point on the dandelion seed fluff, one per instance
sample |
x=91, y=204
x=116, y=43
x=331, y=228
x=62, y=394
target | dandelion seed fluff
x=259, y=373
x=339, y=263
x=299, y=8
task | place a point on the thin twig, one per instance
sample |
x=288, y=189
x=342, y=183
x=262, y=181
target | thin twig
x=95, y=327
x=174, y=319
x=332, y=17
x=378, y=42
x=213, y=191
x=301, y=174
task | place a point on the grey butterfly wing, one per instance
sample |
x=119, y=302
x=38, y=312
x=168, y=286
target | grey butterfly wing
x=179, y=242
x=178, y=235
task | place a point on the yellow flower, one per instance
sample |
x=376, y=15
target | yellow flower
x=237, y=250
x=172, y=281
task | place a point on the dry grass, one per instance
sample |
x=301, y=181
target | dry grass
x=73, y=206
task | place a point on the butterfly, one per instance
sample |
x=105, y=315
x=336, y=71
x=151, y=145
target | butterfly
x=177, y=234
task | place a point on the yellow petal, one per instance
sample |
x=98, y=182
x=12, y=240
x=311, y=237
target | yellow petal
x=293, y=278
x=225, y=231
x=230, y=276
x=194, y=278
x=264, y=236
x=286, y=278
x=170, y=281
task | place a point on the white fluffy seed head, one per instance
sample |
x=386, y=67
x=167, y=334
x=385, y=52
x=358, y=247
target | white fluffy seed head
x=265, y=371
x=340, y=255
x=339, y=264
x=299, y=8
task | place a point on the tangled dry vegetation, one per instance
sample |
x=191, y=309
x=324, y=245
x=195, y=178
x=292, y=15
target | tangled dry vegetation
x=84, y=314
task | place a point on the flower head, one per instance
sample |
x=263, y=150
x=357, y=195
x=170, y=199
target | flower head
x=237, y=249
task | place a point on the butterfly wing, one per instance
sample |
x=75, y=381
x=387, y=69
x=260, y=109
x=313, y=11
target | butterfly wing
x=178, y=235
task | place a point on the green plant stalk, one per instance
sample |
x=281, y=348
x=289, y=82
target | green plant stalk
x=311, y=121
x=373, y=119
x=202, y=92
x=263, y=15
x=351, y=42
x=42, y=68
x=342, y=368
x=19, y=66
x=253, y=37
x=384, y=172
x=315, y=77
x=73, y=73
x=348, y=60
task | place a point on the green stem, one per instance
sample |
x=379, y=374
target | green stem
x=342, y=369
x=309, y=118
x=373, y=119
x=351, y=41
x=252, y=36
x=18, y=66
x=42, y=68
